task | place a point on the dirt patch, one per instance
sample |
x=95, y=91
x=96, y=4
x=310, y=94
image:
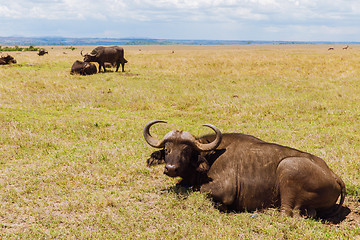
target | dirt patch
x=349, y=214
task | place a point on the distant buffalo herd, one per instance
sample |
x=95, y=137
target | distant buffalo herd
x=105, y=56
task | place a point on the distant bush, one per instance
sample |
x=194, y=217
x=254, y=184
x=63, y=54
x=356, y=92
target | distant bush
x=148, y=42
x=17, y=48
x=71, y=48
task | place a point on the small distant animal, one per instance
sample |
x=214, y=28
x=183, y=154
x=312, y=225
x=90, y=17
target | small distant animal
x=331, y=48
x=4, y=60
x=83, y=68
x=244, y=173
x=346, y=47
x=101, y=55
x=42, y=52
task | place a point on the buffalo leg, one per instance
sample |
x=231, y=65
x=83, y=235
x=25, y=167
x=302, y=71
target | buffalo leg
x=219, y=192
x=303, y=184
x=101, y=65
x=122, y=66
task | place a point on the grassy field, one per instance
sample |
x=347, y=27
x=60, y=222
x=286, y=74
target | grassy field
x=73, y=159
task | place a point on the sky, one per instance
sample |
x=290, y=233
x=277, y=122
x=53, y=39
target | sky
x=269, y=20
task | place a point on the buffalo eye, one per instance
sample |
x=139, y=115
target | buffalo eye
x=187, y=149
x=167, y=150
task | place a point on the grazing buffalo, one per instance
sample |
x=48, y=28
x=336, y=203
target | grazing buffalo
x=245, y=173
x=83, y=68
x=7, y=60
x=102, y=55
x=42, y=52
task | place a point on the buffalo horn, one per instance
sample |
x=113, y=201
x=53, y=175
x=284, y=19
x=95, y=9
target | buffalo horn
x=149, y=139
x=82, y=53
x=200, y=146
x=214, y=144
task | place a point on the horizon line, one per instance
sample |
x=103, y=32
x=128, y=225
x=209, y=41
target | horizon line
x=60, y=40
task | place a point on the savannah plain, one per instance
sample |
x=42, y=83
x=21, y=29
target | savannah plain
x=73, y=158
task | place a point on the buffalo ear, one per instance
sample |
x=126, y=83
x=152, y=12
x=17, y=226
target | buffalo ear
x=156, y=158
x=202, y=164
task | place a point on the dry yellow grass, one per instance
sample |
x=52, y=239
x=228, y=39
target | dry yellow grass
x=72, y=156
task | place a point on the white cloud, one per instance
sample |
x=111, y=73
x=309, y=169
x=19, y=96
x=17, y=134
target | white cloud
x=6, y=12
x=263, y=16
x=147, y=10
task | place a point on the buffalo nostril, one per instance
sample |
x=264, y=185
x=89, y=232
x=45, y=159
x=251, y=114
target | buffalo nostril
x=170, y=170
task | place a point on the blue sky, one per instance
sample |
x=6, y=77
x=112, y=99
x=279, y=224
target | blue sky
x=288, y=20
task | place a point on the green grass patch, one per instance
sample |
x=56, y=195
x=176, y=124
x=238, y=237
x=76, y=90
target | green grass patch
x=73, y=159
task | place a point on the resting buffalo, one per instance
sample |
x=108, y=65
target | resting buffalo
x=42, y=52
x=83, y=68
x=7, y=60
x=245, y=173
x=102, y=55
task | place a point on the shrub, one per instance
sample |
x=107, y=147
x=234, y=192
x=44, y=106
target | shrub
x=18, y=49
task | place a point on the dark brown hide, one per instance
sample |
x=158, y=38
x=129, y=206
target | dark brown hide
x=83, y=68
x=101, y=55
x=246, y=173
x=42, y=52
x=7, y=60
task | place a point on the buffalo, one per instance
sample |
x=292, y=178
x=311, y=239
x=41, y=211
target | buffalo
x=83, y=68
x=244, y=173
x=101, y=55
x=42, y=52
x=7, y=60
